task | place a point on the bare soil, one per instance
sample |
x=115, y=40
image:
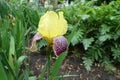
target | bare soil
x=72, y=65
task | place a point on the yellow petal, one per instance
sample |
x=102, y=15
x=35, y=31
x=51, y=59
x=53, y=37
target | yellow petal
x=62, y=24
x=51, y=25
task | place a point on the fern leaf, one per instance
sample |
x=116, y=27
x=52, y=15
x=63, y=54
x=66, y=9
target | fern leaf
x=76, y=37
x=87, y=63
x=87, y=42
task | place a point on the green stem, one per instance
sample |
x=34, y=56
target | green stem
x=48, y=56
x=48, y=64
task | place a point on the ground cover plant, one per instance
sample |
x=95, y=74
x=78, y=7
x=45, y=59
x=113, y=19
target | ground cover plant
x=93, y=36
x=97, y=29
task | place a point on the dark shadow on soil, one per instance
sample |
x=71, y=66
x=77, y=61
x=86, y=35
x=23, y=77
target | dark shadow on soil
x=72, y=66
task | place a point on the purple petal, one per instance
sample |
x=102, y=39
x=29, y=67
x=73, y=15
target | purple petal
x=33, y=46
x=60, y=45
x=36, y=37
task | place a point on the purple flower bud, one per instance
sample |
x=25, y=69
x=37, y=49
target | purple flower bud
x=60, y=45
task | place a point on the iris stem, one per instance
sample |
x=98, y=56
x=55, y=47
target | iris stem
x=48, y=64
x=48, y=67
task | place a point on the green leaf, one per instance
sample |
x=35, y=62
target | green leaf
x=87, y=42
x=104, y=29
x=70, y=36
x=32, y=78
x=99, y=53
x=116, y=52
x=20, y=60
x=87, y=63
x=3, y=75
x=42, y=43
x=12, y=56
x=4, y=8
x=11, y=74
x=85, y=16
x=57, y=64
x=77, y=35
x=108, y=65
x=117, y=34
x=104, y=37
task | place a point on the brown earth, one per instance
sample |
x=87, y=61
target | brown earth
x=72, y=66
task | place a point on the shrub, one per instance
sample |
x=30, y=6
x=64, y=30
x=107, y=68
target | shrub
x=97, y=28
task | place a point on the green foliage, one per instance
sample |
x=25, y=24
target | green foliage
x=94, y=24
x=116, y=52
x=108, y=65
x=12, y=56
x=42, y=43
x=16, y=21
x=4, y=8
x=87, y=42
x=76, y=37
x=57, y=64
x=88, y=63
x=2, y=72
x=32, y=78
x=55, y=68
x=97, y=28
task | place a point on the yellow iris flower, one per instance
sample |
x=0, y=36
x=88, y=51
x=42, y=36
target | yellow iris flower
x=52, y=26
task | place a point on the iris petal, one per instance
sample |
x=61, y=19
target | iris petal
x=62, y=28
x=52, y=24
x=33, y=46
x=60, y=45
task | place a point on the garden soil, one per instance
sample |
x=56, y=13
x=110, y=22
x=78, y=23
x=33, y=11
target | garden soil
x=72, y=65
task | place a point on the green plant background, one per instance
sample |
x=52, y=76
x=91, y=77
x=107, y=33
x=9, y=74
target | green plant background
x=93, y=24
